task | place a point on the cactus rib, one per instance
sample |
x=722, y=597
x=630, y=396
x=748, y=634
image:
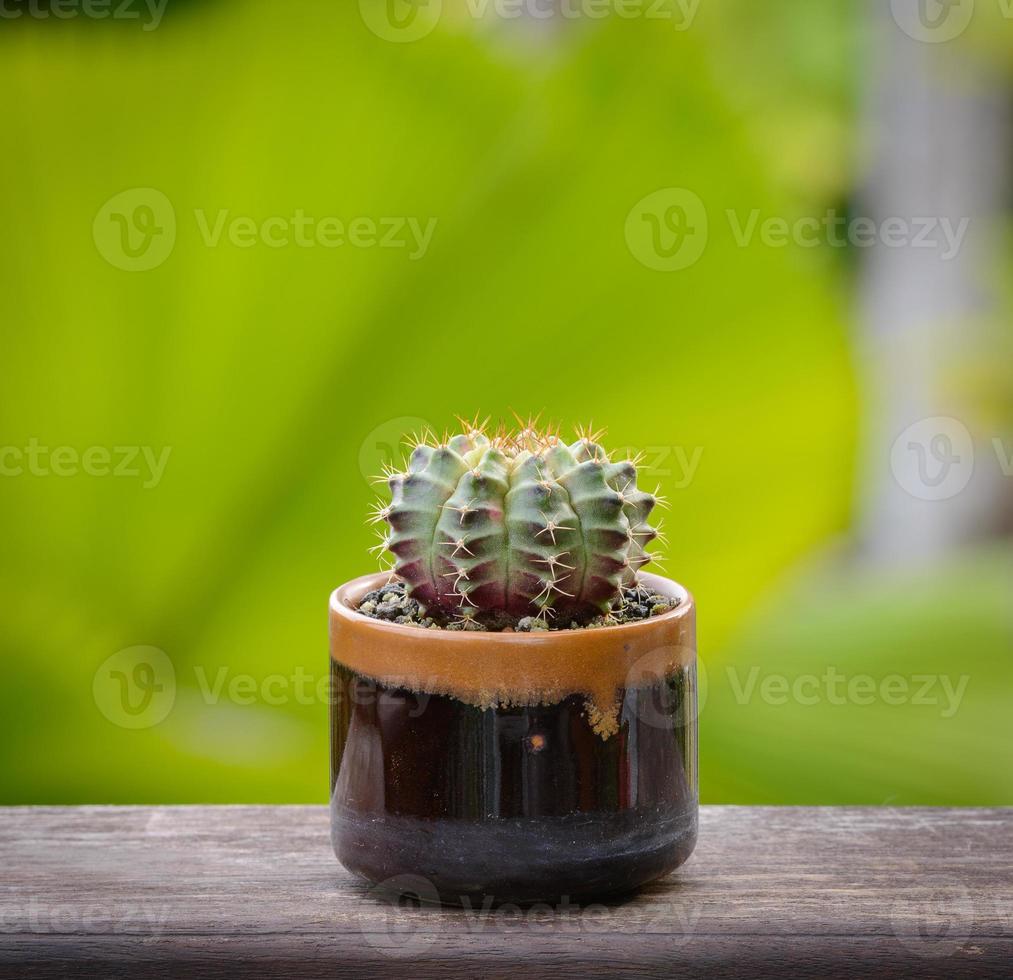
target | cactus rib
x=516, y=525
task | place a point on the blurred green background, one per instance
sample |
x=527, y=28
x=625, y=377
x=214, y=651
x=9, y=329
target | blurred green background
x=277, y=377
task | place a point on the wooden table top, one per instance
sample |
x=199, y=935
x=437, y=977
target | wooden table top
x=210, y=891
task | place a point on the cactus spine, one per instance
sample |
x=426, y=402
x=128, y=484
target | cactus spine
x=516, y=525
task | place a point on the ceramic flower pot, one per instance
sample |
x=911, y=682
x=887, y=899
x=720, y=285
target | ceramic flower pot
x=477, y=767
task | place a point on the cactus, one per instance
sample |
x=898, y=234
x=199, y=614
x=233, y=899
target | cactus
x=488, y=529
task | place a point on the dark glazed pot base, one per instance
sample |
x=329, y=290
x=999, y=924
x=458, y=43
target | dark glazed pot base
x=519, y=805
x=575, y=858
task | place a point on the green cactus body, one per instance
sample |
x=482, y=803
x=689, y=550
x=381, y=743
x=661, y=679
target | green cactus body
x=518, y=525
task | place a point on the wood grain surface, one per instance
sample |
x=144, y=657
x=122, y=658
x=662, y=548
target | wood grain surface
x=255, y=891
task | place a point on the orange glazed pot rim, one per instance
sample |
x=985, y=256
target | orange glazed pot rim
x=488, y=669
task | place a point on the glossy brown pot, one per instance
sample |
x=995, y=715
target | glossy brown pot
x=513, y=767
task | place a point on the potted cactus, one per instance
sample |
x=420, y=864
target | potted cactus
x=513, y=716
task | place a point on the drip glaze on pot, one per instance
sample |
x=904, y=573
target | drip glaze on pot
x=487, y=669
